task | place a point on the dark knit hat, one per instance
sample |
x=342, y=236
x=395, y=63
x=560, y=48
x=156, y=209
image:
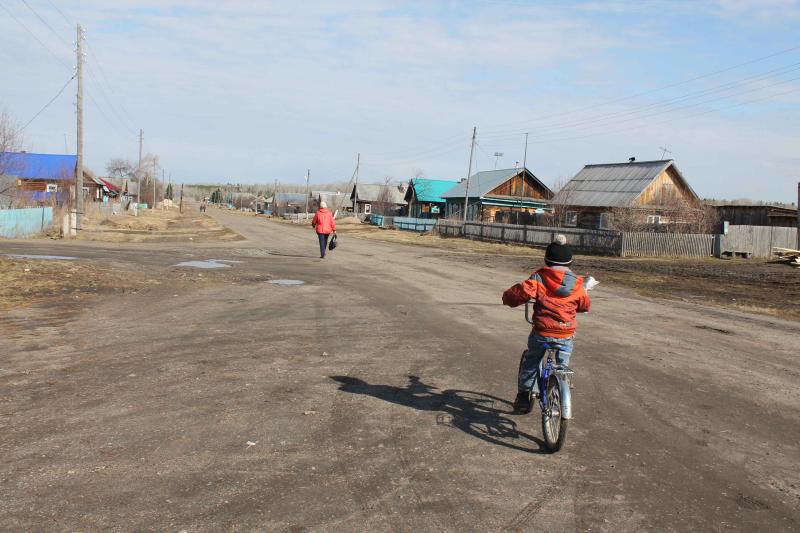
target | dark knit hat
x=558, y=252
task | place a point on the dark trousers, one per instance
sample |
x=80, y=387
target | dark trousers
x=323, y=243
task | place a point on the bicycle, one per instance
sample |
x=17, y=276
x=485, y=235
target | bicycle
x=555, y=386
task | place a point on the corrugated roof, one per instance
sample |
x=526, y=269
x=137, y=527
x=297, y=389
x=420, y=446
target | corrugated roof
x=368, y=192
x=482, y=183
x=291, y=197
x=428, y=190
x=39, y=166
x=611, y=185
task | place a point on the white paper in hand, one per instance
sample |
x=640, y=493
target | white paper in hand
x=590, y=283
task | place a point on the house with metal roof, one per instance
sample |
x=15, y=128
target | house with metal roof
x=335, y=200
x=512, y=196
x=41, y=178
x=748, y=213
x=289, y=202
x=381, y=199
x=424, y=197
x=652, y=192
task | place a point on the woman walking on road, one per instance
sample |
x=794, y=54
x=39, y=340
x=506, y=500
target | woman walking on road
x=324, y=223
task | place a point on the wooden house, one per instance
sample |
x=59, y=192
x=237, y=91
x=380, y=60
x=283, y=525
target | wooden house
x=380, y=199
x=424, y=197
x=41, y=178
x=512, y=196
x=756, y=214
x=647, y=193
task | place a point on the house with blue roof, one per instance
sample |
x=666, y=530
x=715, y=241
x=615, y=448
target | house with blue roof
x=509, y=196
x=48, y=178
x=424, y=197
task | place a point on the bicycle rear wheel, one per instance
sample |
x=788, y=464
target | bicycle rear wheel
x=554, y=426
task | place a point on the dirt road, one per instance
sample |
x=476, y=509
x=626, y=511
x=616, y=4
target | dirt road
x=376, y=397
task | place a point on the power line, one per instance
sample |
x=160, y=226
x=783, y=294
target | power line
x=110, y=88
x=688, y=96
x=657, y=89
x=60, y=13
x=45, y=23
x=48, y=103
x=60, y=60
x=679, y=108
x=110, y=104
x=639, y=126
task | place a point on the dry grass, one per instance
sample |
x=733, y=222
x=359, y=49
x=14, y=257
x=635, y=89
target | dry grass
x=435, y=241
x=752, y=286
x=156, y=226
x=28, y=281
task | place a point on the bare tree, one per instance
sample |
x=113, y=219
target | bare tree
x=118, y=167
x=561, y=204
x=10, y=142
x=384, y=205
x=667, y=214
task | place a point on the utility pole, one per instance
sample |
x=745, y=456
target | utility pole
x=308, y=176
x=79, y=103
x=180, y=208
x=155, y=170
x=355, y=190
x=469, y=172
x=139, y=173
x=524, y=163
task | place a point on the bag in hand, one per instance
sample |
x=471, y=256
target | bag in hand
x=332, y=244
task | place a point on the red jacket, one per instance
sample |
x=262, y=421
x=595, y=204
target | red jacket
x=323, y=222
x=559, y=296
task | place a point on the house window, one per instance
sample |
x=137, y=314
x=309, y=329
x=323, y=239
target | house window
x=654, y=219
x=605, y=221
x=52, y=187
x=367, y=209
x=571, y=220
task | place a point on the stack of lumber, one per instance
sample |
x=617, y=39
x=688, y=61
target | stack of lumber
x=787, y=255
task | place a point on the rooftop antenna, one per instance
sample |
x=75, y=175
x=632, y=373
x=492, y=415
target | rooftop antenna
x=664, y=151
x=497, y=156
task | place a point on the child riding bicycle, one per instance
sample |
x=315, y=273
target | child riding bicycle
x=559, y=295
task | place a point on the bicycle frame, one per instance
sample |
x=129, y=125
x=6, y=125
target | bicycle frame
x=548, y=367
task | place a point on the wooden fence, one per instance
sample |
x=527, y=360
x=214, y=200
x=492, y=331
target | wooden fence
x=749, y=241
x=667, y=245
x=581, y=240
x=755, y=241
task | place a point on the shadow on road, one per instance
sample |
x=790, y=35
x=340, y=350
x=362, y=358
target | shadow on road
x=473, y=413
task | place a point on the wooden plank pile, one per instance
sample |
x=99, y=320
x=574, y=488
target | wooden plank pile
x=787, y=255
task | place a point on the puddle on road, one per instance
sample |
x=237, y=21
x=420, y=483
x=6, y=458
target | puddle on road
x=202, y=264
x=43, y=257
x=286, y=282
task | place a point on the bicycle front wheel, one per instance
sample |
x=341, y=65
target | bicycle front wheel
x=554, y=426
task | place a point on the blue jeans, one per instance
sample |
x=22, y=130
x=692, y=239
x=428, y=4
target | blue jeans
x=529, y=369
x=323, y=243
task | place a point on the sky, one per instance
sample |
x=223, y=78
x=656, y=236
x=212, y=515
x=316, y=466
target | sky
x=254, y=91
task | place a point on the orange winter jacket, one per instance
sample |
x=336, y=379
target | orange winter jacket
x=559, y=295
x=323, y=222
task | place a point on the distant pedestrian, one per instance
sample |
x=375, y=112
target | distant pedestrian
x=203, y=206
x=324, y=224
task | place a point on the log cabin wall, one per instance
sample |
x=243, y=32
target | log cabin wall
x=521, y=187
x=665, y=190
